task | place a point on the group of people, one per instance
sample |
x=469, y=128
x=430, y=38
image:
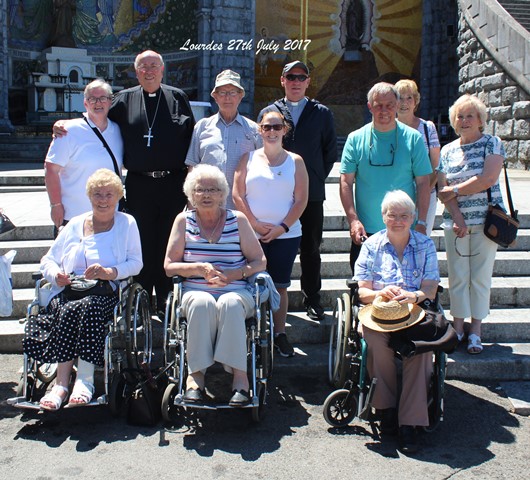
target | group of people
x=397, y=165
x=255, y=194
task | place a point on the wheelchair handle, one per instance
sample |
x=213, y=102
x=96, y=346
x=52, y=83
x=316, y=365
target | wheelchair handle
x=178, y=279
x=36, y=276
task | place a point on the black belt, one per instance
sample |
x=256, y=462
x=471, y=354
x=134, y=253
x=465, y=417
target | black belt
x=156, y=173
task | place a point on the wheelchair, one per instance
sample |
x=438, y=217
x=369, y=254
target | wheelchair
x=348, y=373
x=128, y=345
x=260, y=342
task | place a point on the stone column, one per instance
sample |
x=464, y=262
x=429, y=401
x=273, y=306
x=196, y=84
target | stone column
x=226, y=22
x=5, y=124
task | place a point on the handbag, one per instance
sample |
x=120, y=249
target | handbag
x=144, y=406
x=6, y=225
x=500, y=227
x=80, y=287
x=433, y=333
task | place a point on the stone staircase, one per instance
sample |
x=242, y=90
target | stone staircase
x=519, y=10
x=506, y=331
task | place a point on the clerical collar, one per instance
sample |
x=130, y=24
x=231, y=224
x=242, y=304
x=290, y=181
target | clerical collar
x=303, y=101
x=151, y=95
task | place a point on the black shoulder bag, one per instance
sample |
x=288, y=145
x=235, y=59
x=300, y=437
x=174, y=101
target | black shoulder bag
x=500, y=227
x=122, y=207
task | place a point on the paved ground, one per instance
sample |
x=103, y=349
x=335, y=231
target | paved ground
x=479, y=438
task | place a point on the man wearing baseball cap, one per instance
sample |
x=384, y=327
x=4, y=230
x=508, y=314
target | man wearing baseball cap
x=223, y=138
x=312, y=136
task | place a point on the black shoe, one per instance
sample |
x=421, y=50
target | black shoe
x=193, y=395
x=283, y=346
x=389, y=421
x=239, y=398
x=314, y=310
x=407, y=439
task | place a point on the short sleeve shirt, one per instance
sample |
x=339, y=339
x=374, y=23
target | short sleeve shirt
x=462, y=162
x=381, y=162
x=379, y=263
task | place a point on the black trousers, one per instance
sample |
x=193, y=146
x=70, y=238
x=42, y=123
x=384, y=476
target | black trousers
x=154, y=203
x=312, y=221
x=354, y=253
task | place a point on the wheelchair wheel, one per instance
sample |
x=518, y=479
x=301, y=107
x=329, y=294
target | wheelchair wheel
x=338, y=342
x=138, y=337
x=339, y=412
x=436, y=392
x=117, y=398
x=168, y=402
x=258, y=412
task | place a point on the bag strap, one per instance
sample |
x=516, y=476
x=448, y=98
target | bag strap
x=426, y=130
x=106, y=145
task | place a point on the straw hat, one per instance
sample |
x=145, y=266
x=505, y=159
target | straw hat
x=385, y=315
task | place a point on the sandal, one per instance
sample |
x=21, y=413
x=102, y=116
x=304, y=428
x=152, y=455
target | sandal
x=54, y=399
x=81, y=394
x=460, y=336
x=474, y=345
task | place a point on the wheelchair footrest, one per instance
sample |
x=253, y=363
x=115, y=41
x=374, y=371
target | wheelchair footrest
x=22, y=402
x=212, y=405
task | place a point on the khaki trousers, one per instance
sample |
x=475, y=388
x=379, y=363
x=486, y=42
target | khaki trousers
x=470, y=277
x=216, y=329
x=416, y=376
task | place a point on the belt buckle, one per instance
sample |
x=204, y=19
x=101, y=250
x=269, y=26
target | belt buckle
x=159, y=173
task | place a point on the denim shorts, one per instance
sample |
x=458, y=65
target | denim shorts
x=280, y=255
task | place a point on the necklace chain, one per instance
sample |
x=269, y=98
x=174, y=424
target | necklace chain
x=211, y=236
x=149, y=136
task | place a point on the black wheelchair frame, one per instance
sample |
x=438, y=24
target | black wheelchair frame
x=260, y=342
x=347, y=369
x=128, y=344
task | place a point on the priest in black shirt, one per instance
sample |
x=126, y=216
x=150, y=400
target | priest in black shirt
x=156, y=123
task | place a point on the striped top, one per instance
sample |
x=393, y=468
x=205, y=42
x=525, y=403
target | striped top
x=225, y=254
x=462, y=162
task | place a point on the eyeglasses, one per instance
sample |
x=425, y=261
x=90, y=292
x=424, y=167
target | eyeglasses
x=393, y=150
x=465, y=255
x=206, y=191
x=224, y=93
x=145, y=68
x=301, y=78
x=276, y=127
x=103, y=196
x=94, y=100
x=398, y=218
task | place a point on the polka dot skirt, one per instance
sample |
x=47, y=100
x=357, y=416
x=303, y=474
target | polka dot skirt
x=66, y=330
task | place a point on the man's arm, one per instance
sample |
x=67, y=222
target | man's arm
x=357, y=230
x=423, y=194
x=329, y=147
x=53, y=187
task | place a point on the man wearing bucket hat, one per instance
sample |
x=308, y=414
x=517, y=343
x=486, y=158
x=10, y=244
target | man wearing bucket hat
x=397, y=268
x=312, y=136
x=222, y=139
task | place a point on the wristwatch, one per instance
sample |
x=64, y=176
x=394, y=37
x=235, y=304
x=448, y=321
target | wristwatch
x=455, y=190
x=421, y=222
x=417, y=297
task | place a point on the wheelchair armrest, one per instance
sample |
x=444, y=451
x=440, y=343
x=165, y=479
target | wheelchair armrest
x=178, y=279
x=352, y=284
x=260, y=281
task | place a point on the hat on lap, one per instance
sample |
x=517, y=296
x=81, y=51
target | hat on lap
x=385, y=315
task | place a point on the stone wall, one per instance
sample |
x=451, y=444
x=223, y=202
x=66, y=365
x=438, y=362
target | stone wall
x=507, y=100
x=5, y=124
x=223, y=21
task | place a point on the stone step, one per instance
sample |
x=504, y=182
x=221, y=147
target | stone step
x=506, y=292
x=336, y=265
x=28, y=251
x=499, y=360
x=507, y=264
x=339, y=241
x=22, y=189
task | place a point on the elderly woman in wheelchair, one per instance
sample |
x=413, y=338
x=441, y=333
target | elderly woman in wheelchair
x=216, y=251
x=91, y=253
x=397, y=269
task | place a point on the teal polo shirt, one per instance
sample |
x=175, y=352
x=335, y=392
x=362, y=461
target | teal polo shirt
x=381, y=162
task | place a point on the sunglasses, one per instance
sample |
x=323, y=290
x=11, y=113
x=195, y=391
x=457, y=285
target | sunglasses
x=301, y=78
x=276, y=127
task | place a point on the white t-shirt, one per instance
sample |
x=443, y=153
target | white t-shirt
x=81, y=153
